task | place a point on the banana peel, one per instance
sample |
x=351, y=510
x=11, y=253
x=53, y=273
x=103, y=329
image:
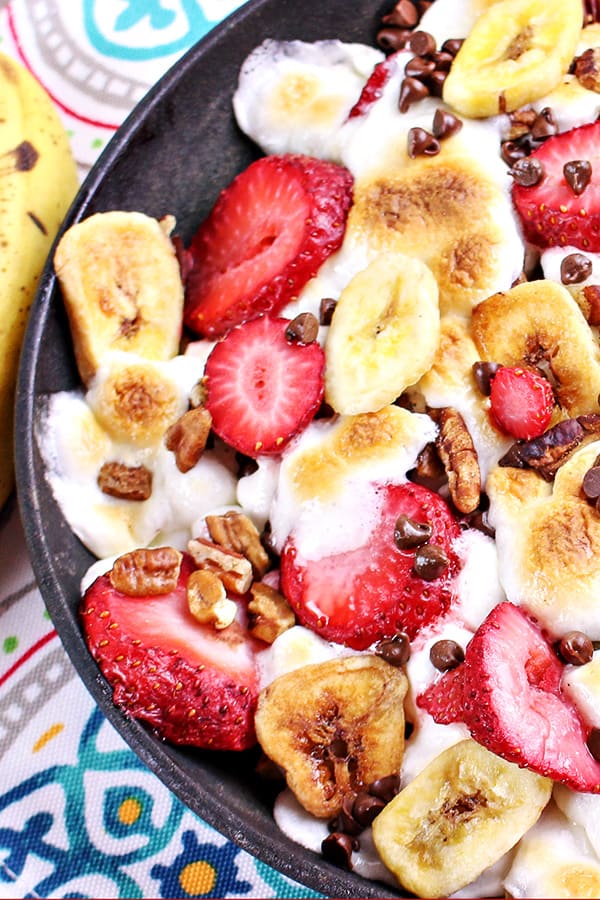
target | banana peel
x=38, y=181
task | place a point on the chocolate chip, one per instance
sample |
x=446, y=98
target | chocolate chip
x=543, y=125
x=578, y=173
x=418, y=67
x=512, y=151
x=435, y=82
x=345, y=821
x=445, y=655
x=430, y=562
x=391, y=38
x=591, y=483
x=409, y=533
x=574, y=268
x=576, y=648
x=338, y=847
x=326, y=308
x=422, y=43
x=593, y=743
x=421, y=143
x=411, y=90
x=386, y=787
x=303, y=329
x=527, y=172
x=366, y=807
x=452, y=45
x=445, y=124
x=394, y=650
x=404, y=14
x=483, y=372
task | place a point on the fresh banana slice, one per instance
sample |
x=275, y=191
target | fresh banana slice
x=516, y=52
x=459, y=816
x=383, y=336
x=334, y=727
x=122, y=287
x=539, y=321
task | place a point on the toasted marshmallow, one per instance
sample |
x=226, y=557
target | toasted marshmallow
x=581, y=810
x=582, y=685
x=292, y=96
x=294, y=648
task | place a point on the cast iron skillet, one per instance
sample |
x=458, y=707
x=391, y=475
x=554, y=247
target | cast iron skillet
x=174, y=153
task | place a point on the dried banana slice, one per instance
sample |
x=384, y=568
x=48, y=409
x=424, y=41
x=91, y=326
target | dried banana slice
x=516, y=52
x=458, y=816
x=334, y=727
x=122, y=288
x=383, y=335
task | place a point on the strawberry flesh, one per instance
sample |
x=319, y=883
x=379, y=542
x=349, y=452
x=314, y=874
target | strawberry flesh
x=262, y=389
x=191, y=683
x=521, y=402
x=266, y=236
x=514, y=706
x=363, y=595
x=551, y=212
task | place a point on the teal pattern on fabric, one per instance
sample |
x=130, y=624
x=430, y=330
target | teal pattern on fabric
x=282, y=887
x=155, y=18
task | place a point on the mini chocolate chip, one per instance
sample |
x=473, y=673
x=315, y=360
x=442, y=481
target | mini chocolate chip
x=394, y=650
x=409, y=533
x=445, y=124
x=386, y=787
x=421, y=143
x=411, y=90
x=423, y=6
x=576, y=648
x=326, y=308
x=345, y=820
x=338, y=847
x=593, y=743
x=446, y=654
x=527, y=172
x=591, y=483
x=418, y=67
x=512, y=151
x=392, y=38
x=435, y=82
x=578, y=173
x=452, y=45
x=422, y=43
x=404, y=14
x=574, y=268
x=303, y=329
x=430, y=562
x=543, y=125
x=483, y=372
x=366, y=807
x=442, y=60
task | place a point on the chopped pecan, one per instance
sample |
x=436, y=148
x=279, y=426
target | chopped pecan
x=547, y=453
x=146, y=572
x=199, y=393
x=187, y=437
x=234, y=570
x=588, y=298
x=587, y=69
x=208, y=601
x=459, y=456
x=269, y=612
x=235, y=531
x=126, y=482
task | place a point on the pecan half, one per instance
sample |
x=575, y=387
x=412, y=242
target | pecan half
x=587, y=69
x=547, y=453
x=459, y=456
x=269, y=612
x=125, y=482
x=146, y=572
x=187, y=437
x=236, y=531
x=207, y=600
x=234, y=570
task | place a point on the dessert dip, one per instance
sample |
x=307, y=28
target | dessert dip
x=338, y=456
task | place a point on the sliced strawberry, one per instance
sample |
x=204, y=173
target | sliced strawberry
x=521, y=402
x=263, y=388
x=363, y=595
x=190, y=682
x=552, y=213
x=514, y=705
x=266, y=236
x=443, y=699
x=373, y=88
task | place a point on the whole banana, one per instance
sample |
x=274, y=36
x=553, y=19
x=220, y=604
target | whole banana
x=38, y=180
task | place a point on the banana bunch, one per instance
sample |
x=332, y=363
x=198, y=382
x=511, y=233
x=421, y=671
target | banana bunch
x=517, y=51
x=38, y=180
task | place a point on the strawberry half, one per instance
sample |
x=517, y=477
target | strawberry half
x=262, y=388
x=551, y=212
x=191, y=683
x=369, y=593
x=443, y=699
x=514, y=705
x=266, y=236
x=521, y=402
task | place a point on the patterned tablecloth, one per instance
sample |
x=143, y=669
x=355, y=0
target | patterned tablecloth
x=80, y=816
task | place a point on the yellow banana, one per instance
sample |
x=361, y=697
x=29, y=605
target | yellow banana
x=38, y=180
